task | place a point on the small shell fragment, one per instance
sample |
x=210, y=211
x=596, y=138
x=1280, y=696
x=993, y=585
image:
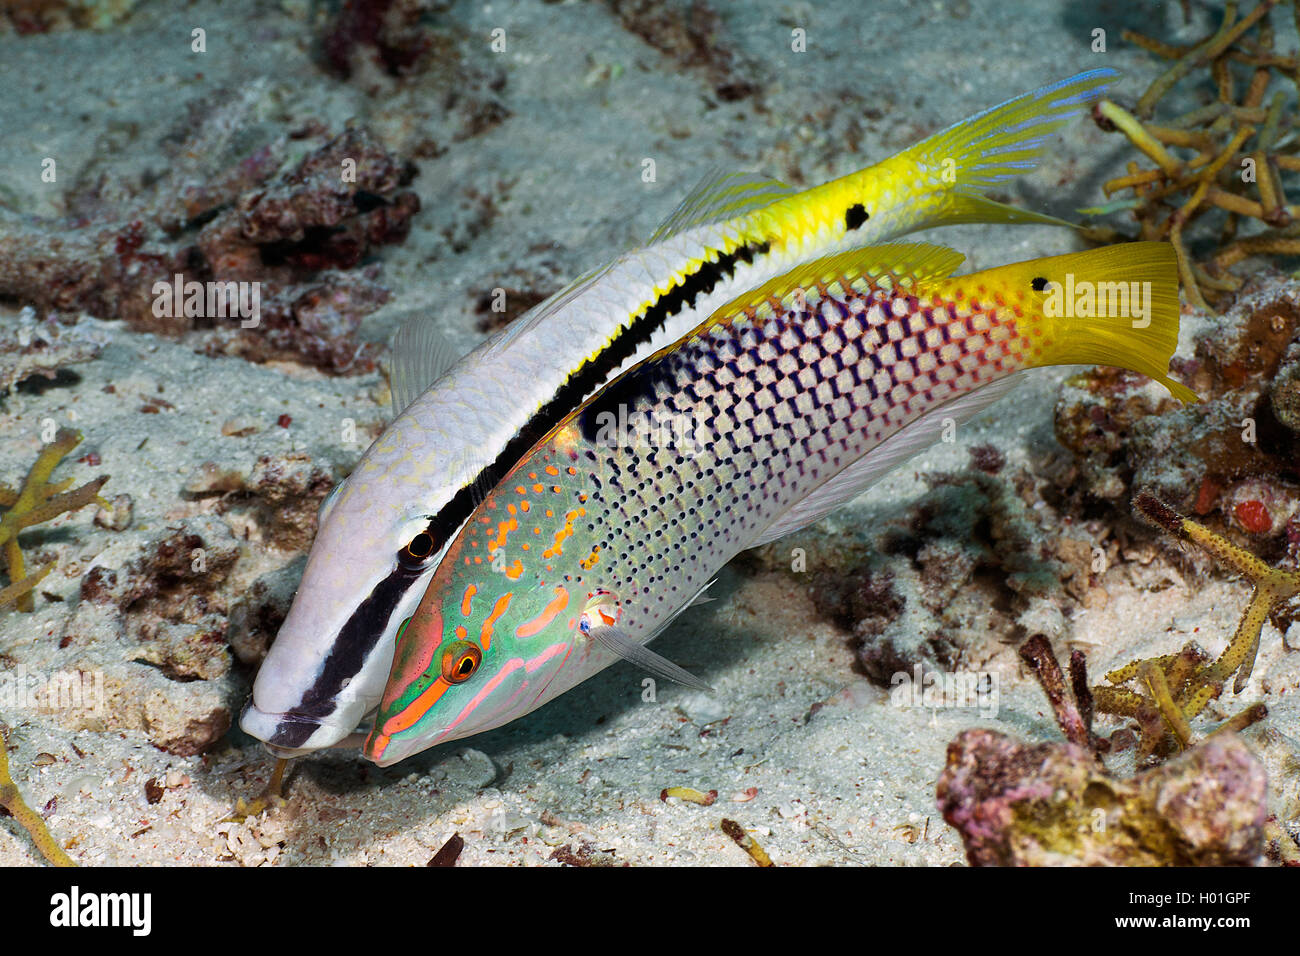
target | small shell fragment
x=690, y=795
x=118, y=515
x=240, y=426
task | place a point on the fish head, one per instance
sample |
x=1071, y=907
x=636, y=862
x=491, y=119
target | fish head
x=464, y=666
x=501, y=628
x=367, y=570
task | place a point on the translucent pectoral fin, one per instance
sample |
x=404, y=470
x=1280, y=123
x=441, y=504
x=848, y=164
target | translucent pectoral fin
x=613, y=639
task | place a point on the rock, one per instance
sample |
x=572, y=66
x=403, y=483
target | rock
x=1052, y=804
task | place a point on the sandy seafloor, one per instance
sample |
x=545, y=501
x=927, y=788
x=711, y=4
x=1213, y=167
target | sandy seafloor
x=589, y=100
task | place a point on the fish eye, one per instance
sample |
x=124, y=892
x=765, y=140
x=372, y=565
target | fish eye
x=460, y=661
x=418, y=550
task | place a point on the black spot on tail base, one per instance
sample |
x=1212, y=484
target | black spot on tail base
x=855, y=216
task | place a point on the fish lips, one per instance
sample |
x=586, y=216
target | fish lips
x=267, y=726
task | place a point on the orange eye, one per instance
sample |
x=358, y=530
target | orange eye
x=459, y=661
x=419, y=550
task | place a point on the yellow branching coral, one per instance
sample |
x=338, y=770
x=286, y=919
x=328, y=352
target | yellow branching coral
x=28, y=818
x=1165, y=693
x=37, y=501
x=1240, y=152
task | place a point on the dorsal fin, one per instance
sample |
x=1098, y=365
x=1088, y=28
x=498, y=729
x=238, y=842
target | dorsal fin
x=547, y=307
x=903, y=264
x=420, y=356
x=720, y=196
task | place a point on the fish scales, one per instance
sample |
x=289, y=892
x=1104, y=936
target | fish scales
x=781, y=397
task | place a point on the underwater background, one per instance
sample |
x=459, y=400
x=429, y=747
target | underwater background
x=506, y=149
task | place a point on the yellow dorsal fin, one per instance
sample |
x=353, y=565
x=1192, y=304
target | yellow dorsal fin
x=903, y=265
x=721, y=196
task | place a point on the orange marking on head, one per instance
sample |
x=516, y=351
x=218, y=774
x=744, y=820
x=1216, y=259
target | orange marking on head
x=571, y=470
x=512, y=509
x=411, y=714
x=503, y=531
x=552, y=470
x=520, y=489
x=549, y=613
x=461, y=633
x=478, y=559
x=515, y=571
x=524, y=506
x=569, y=518
x=466, y=607
x=538, y=488
x=485, y=635
x=532, y=475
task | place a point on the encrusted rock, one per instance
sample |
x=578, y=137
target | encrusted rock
x=1053, y=804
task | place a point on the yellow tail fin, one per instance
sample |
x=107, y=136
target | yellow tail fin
x=946, y=173
x=939, y=181
x=1112, y=306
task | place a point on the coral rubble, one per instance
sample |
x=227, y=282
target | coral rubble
x=1048, y=804
x=286, y=223
x=1242, y=151
x=12, y=801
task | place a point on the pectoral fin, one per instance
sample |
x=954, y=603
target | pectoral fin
x=613, y=639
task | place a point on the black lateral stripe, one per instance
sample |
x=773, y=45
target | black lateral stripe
x=361, y=633
x=356, y=640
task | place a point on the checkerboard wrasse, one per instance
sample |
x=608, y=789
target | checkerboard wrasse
x=463, y=425
x=778, y=408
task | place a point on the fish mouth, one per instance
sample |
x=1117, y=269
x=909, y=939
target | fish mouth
x=275, y=729
x=384, y=751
